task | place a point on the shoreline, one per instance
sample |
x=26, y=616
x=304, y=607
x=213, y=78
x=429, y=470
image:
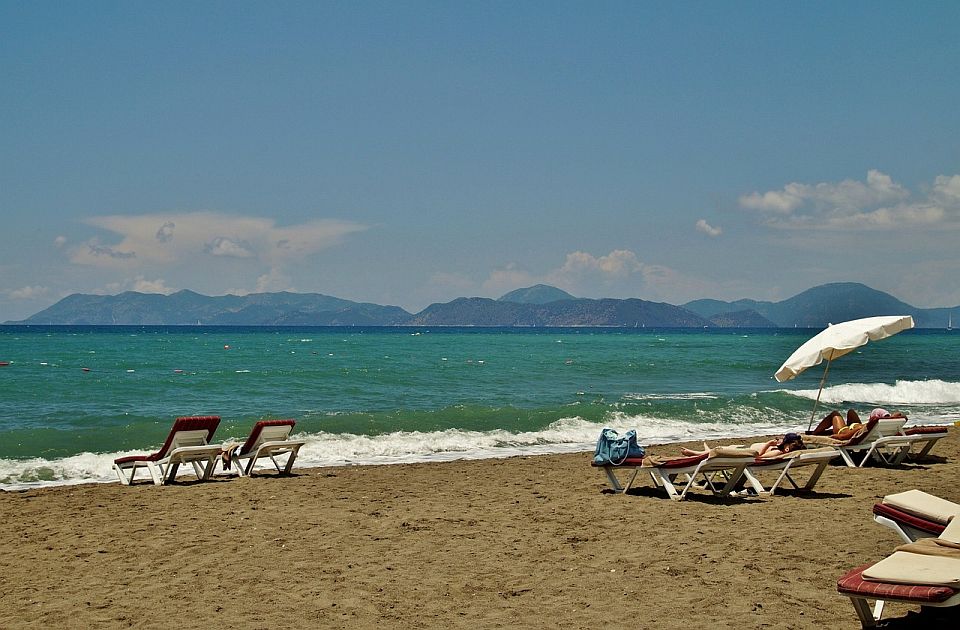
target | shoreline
x=526, y=541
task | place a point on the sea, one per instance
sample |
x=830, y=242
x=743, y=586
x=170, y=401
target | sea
x=74, y=398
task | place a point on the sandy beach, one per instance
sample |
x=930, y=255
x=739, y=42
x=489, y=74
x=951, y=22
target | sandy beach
x=523, y=542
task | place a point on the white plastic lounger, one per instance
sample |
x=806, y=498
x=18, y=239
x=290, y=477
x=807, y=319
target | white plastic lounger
x=861, y=588
x=925, y=574
x=187, y=443
x=721, y=465
x=879, y=440
x=792, y=461
x=268, y=438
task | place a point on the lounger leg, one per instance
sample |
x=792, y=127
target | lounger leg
x=199, y=471
x=847, y=458
x=123, y=478
x=171, y=474
x=275, y=464
x=732, y=480
x=613, y=479
x=925, y=450
x=290, y=457
x=868, y=618
x=209, y=468
x=901, y=454
x=886, y=522
x=664, y=480
x=815, y=477
x=755, y=483
x=235, y=461
x=870, y=453
x=156, y=473
x=632, y=479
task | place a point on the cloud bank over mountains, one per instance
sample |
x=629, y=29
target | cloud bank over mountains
x=878, y=203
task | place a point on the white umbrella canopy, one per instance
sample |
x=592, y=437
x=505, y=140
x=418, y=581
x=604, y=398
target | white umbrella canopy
x=837, y=340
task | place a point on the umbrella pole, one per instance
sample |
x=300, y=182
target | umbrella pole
x=820, y=391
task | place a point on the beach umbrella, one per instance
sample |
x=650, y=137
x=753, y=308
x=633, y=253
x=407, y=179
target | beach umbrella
x=837, y=340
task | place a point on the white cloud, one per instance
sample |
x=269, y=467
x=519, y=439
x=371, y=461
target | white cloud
x=619, y=262
x=709, y=230
x=60, y=241
x=878, y=203
x=138, y=284
x=947, y=188
x=186, y=238
x=28, y=293
x=143, y=285
x=274, y=280
x=619, y=273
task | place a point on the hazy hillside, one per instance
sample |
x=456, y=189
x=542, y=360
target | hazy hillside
x=186, y=308
x=576, y=312
x=835, y=302
x=540, y=305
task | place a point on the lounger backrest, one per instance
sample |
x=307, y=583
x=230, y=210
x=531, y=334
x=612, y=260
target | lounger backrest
x=189, y=438
x=890, y=426
x=267, y=431
x=206, y=424
x=867, y=434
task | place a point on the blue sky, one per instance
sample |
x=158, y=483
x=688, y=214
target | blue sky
x=410, y=153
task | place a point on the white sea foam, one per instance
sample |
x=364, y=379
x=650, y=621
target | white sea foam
x=932, y=392
x=677, y=396
x=330, y=449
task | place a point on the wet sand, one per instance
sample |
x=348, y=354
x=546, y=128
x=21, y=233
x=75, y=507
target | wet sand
x=529, y=542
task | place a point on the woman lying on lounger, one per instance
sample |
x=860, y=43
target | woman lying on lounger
x=771, y=448
x=834, y=425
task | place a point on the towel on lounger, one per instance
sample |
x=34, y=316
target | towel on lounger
x=919, y=503
x=912, y=568
x=929, y=547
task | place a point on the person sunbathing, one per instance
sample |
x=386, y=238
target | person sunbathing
x=834, y=425
x=771, y=448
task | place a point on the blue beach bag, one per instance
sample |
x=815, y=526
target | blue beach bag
x=613, y=448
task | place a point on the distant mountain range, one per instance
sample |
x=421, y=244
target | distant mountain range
x=540, y=305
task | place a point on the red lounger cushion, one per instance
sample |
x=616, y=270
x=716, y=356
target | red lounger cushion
x=683, y=462
x=630, y=461
x=881, y=509
x=185, y=423
x=924, y=430
x=852, y=583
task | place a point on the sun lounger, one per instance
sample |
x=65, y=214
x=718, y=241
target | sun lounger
x=915, y=514
x=819, y=457
x=719, y=470
x=926, y=573
x=187, y=443
x=879, y=440
x=861, y=590
x=268, y=438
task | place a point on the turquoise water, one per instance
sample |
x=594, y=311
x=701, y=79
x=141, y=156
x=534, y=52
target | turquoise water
x=74, y=398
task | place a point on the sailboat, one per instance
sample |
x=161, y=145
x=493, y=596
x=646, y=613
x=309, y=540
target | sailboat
x=950, y=321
